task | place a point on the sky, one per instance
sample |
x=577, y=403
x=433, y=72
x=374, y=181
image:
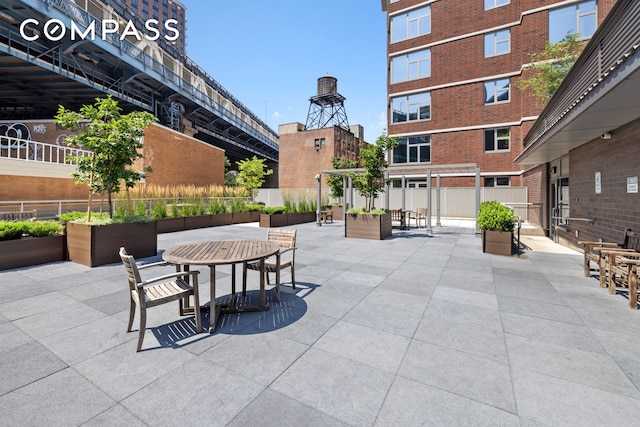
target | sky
x=270, y=54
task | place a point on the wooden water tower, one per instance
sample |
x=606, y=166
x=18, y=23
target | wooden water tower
x=326, y=109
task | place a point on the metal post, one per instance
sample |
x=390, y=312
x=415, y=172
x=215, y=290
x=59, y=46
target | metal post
x=345, y=206
x=319, y=206
x=438, y=223
x=477, y=197
x=387, y=194
x=429, y=204
x=403, y=183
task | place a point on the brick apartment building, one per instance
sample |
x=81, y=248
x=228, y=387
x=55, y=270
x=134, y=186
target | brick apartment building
x=452, y=78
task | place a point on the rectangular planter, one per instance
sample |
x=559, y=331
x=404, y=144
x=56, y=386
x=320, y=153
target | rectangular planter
x=338, y=212
x=94, y=245
x=497, y=242
x=221, y=219
x=198, y=221
x=368, y=226
x=169, y=225
x=240, y=217
x=308, y=216
x=295, y=218
x=275, y=220
x=32, y=251
x=255, y=215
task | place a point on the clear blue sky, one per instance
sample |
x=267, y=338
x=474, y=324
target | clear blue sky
x=270, y=54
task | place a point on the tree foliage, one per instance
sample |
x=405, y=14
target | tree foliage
x=115, y=139
x=370, y=183
x=230, y=177
x=335, y=182
x=251, y=173
x=551, y=66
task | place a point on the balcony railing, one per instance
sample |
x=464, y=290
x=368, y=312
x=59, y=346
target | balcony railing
x=32, y=151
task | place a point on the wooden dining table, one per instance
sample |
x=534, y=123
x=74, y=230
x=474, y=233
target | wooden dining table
x=223, y=252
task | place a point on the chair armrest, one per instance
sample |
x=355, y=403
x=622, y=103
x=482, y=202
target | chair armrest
x=598, y=243
x=167, y=276
x=634, y=261
x=153, y=264
x=619, y=252
x=281, y=251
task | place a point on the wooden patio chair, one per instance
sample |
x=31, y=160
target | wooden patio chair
x=634, y=269
x=158, y=290
x=419, y=215
x=616, y=265
x=592, y=251
x=286, y=239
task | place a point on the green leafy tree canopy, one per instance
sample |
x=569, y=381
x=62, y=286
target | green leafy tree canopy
x=335, y=182
x=115, y=139
x=251, y=173
x=370, y=183
x=551, y=66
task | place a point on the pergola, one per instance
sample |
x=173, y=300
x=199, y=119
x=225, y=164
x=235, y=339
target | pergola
x=402, y=172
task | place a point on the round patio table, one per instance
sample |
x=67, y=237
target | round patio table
x=224, y=252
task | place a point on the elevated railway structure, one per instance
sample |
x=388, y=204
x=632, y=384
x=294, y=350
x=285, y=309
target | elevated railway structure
x=43, y=67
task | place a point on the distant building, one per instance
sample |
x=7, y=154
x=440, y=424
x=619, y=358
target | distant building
x=452, y=73
x=305, y=150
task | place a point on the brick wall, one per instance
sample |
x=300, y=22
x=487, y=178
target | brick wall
x=299, y=161
x=614, y=209
x=175, y=158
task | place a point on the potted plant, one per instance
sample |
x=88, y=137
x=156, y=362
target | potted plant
x=26, y=243
x=274, y=216
x=219, y=214
x=496, y=221
x=115, y=140
x=367, y=222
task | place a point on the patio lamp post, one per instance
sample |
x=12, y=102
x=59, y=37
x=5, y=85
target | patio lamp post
x=319, y=204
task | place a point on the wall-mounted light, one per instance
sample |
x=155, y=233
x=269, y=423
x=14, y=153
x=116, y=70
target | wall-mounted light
x=606, y=135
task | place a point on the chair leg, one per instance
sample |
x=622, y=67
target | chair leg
x=293, y=276
x=132, y=313
x=277, y=284
x=143, y=326
x=196, y=312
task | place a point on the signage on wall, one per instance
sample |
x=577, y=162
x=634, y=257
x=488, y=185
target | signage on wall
x=632, y=184
x=598, y=183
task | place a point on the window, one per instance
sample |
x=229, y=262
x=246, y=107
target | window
x=414, y=149
x=578, y=18
x=496, y=91
x=411, y=108
x=415, y=65
x=497, y=43
x=411, y=24
x=490, y=4
x=496, y=139
x=497, y=181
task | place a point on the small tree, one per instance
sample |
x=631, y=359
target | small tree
x=114, y=140
x=371, y=182
x=251, y=174
x=335, y=182
x=551, y=66
x=230, y=177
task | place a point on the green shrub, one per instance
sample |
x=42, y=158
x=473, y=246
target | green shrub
x=11, y=230
x=71, y=216
x=495, y=216
x=43, y=228
x=217, y=206
x=159, y=209
x=272, y=210
x=238, y=205
x=356, y=211
x=255, y=207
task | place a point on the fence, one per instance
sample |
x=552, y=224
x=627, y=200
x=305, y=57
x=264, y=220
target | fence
x=455, y=202
x=21, y=149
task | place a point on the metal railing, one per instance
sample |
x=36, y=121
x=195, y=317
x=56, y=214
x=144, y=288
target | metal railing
x=32, y=151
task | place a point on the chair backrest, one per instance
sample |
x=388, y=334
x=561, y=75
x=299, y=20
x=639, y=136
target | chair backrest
x=396, y=215
x=625, y=239
x=421, y=211
x=133, y=275
x=633, y=240
x=284, y=238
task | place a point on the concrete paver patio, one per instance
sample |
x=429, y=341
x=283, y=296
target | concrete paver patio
x=416, y=329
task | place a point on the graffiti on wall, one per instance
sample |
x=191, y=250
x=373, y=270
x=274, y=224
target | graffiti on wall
x=15, y=136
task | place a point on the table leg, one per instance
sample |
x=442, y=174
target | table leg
x=214, y=310
x=185, y=304
x=263, y=302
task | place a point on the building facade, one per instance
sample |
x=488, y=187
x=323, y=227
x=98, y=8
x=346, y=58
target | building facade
x=453, y=71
